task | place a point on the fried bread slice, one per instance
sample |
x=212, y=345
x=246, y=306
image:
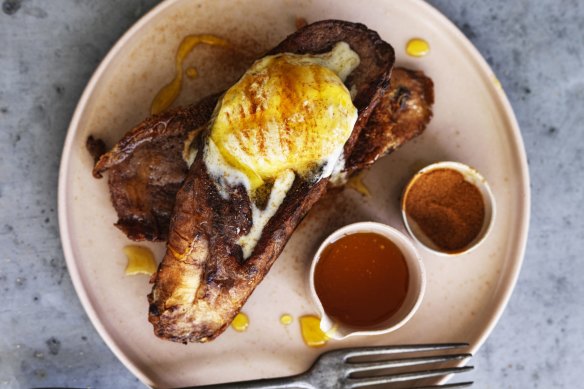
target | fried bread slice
x=204, y=279
x=147, y=167
x=402, y=114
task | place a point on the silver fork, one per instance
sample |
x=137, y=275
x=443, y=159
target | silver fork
x=334, y=369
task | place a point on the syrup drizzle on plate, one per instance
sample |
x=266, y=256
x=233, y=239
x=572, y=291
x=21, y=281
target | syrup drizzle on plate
x=168, y=94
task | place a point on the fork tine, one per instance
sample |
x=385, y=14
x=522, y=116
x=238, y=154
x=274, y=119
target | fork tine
x=384, y=350
x=455, y=385
x=361, y=382
x=354, y=367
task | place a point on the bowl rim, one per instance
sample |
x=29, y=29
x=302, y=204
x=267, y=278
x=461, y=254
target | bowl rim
x=484, y=188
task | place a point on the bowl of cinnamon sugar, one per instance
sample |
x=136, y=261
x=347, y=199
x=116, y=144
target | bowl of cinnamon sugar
x=448, y=208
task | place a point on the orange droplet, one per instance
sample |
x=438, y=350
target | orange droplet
x=312, y=335
x=191, y=72
x=417, y=47
x=497, y=83
x=356, y=183
x=286, y=319
x=140, y=260
x=240, y=322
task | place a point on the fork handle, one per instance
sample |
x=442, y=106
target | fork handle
x=297, y=381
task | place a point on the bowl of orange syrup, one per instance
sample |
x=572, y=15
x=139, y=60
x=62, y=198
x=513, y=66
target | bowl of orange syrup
x=366, y=278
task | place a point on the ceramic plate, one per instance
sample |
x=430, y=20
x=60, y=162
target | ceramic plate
x=473, y=123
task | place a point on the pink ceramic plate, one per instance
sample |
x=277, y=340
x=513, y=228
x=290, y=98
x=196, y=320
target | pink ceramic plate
x=473, y=123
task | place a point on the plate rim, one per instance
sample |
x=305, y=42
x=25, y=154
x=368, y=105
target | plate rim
x=63, y=214
x=500, y=98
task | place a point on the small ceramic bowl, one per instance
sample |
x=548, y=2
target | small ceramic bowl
x=470, y=175
x=416, y=287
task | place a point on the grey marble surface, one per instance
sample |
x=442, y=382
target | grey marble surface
x=48, y=50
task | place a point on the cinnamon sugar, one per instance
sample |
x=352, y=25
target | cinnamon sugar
x=448, y=209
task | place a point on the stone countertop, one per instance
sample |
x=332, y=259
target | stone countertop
x=49, y=50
